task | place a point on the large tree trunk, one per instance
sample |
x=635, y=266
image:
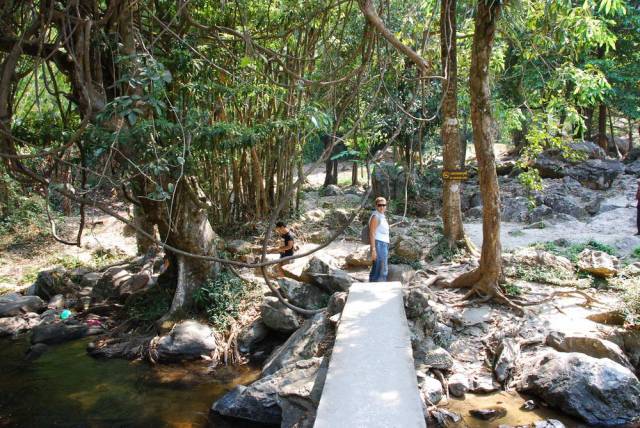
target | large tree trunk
x=451, y=153
x=484, y=281
x=188, y=229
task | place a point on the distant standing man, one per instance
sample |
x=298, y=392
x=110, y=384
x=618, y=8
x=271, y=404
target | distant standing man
x=379, y=242
x=638, y=204
x=285, y=250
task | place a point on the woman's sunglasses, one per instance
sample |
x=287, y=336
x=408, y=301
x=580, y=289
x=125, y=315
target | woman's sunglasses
x=382, y=205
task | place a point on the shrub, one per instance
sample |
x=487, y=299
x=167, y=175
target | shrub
x=149, y=305
x=220, y=298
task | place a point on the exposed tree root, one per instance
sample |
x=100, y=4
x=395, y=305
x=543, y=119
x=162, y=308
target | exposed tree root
x=484, y=286
x=589, y=300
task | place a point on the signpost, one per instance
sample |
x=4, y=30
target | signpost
x=455, y=175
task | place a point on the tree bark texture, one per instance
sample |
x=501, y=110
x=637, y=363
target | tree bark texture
x=484, y=280
x=451, y=153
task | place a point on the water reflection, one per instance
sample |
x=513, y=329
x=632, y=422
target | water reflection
x=67, y=388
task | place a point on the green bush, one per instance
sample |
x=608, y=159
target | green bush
x=636, y=252
x=571, y=252
x=149, y=305
x=220, y=298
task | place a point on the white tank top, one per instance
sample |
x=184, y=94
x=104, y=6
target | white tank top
x=382, y=231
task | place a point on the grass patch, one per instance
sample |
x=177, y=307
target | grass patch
x=149, y=306
x=221, y=298
x=541, y=274
x=571, y=252
x=512, y=289
x=397, y=260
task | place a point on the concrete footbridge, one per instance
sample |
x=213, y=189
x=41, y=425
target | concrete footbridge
x=371, y=382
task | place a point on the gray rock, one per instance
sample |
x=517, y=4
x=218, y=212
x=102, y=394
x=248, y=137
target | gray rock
x=483, y=384
x=434, y=357
x=598, y=391
x=548, y=423
x=336, y=280
x=561, y=203
x=331, y=190
x=339, y=217
x=336, y=303
x=408, y=248
x=596, y=173
x=598, y=263
x=320, y=237
x=49, y=283
x=307, y=296
x=515, y=209
x=56, y=302
x=238, y=246
x=507, y=355
x=277, y=316
x=592, y=346
x=188, y=340
x=475, y=212
x=302, y=344
x=11, y=326
x=633, y=168
x=15, y=304
x=539, y=213
x=402, y=273
x=260, y=401
x=417, y=302
x=458, y=384
x=431, y=391
x=90, y=279
x=250, y=336
x=36, y=351
x=299, y=400
x=360, y=258
x=58, y=332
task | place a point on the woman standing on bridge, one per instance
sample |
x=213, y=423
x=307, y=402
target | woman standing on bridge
x=379, y=241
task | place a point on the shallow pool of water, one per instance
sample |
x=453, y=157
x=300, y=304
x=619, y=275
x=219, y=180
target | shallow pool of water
x=512, y=402
x=67, y=388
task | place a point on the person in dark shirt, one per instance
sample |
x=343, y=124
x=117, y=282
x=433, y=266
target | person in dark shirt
x=285, y=250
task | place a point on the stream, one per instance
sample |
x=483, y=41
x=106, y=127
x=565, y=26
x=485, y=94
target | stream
x=67, y=388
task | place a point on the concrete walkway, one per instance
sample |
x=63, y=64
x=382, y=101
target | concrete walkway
x=371, y=380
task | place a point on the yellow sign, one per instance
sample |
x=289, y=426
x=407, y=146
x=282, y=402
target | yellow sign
x=455, y=175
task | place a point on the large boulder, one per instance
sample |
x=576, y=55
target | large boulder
x=401, y=272
x=10, y=326
x=336, y=303
x=49, y=283
x=307, y=296
x=598, y=263
x=15, y=304
x=277, y=316
x=633, y=168
x=331, y=190
x=507, y=355
x=252, y=335
x=58, y=332
x=534, y=257
x=188, y=340
x=431, y=391
x=267, y=400
x=596, y=174
x=320, y=271
x=359, y=258
x=301, y=345
x=239, y=247
x=598, y=391
x=592, y=346
x=408, y=248
x=515, y=209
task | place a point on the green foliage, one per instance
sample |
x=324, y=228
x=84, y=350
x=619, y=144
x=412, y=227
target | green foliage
x=571, y=252
x=541, y=274
x=148, y=306
x=220, y=298
x=512, y=289
x=636, y=252
x=397, y=260
x=25, y=220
